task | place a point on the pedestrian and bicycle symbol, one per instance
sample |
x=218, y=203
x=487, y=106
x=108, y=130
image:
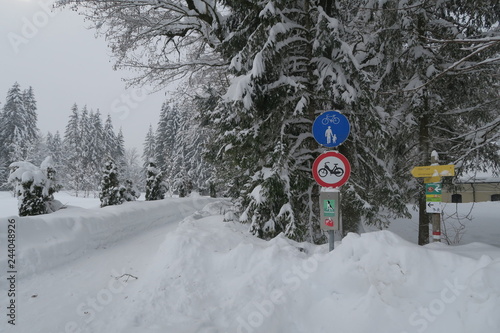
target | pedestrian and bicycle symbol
x=331, y=129
x=331, y=169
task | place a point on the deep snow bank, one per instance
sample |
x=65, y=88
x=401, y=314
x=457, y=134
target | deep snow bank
x=461, y=224
x=47, y=241
x=210, y=276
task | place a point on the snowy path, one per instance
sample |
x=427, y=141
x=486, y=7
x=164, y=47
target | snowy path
x=75, y=264
x=87, y=285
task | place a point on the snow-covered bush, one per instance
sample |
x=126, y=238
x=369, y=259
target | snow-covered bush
x=35, y=187
x=129, y=191
x=110, y=187
x=155, y=188
x=112, y=193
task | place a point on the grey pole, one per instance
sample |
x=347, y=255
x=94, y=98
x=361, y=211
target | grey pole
x=331, y=240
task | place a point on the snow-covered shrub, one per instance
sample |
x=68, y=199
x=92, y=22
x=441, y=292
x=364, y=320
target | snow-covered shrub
x=110, y=187
x=34, y=187
x=129, y=191
x=155, y=188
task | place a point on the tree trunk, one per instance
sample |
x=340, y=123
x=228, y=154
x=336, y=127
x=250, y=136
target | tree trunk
x=424, y=147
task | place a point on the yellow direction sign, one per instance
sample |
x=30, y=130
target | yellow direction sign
x=434, y=171
x=432, y=180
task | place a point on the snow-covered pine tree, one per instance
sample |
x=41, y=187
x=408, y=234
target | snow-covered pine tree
x=434, y=87
x=30, y=108
x=109, y=138
x=86, y=168
x=155, y=188
x=55, y=148
x=206, y=102
x=95, y=149
x=34, y=187
x=187, y=169
x=51, y=185
x=119, y=151
x=165, y=139
x=73, y=147
x=129, y=191
x=18, y=128
x=149, y=147
x=110, y=187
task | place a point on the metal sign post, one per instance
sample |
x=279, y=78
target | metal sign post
x=331, y=169
x=329, y=200
x=433, y=196
x=434, y=207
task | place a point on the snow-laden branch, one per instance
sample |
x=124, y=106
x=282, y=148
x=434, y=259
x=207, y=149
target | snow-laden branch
x=464, y=40
x=158, y=37
x=457, y=63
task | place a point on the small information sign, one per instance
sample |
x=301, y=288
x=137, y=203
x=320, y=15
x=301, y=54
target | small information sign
x=330, y=208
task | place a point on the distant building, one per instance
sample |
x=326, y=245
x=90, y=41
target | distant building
x=477, y=189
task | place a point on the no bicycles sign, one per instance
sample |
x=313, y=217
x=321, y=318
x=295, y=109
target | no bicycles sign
x=331, y=169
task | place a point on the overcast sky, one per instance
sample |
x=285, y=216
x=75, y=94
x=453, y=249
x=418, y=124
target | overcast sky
x=53, y=52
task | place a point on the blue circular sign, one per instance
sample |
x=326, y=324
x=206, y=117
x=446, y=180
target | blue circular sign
x=331, y=129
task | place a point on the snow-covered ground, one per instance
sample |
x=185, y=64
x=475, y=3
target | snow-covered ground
x=176, y=266
x=461, y=224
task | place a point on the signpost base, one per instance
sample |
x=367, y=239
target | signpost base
x=331, y=240
x=436, y=227
x=329, y=203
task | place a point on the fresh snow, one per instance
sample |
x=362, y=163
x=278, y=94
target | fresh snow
x=176, y=265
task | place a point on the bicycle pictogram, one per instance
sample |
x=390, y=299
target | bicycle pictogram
x=333, y=119
x=326, y=170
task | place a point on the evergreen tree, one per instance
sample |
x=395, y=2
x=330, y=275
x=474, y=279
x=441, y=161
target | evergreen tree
x=189, y=169
x=73, y=146
x=129, y=191
x=165, y=138
x=110, y=187
x=18, y=127
x=34, y=187
x=55, y=148
x=31, y=202
x=95, y=149
x=435, y=93
x=149, y=147
x=30, y=108
x=110, y=141
x=85, y=166
x=119, y=152
x=51, y=185
x=155, y=189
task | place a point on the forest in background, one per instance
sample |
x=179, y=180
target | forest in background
x=411, y=77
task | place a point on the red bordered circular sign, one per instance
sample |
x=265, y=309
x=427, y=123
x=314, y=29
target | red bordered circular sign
x=331, y=169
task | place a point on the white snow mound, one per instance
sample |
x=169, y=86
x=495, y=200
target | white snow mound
x=211, y=276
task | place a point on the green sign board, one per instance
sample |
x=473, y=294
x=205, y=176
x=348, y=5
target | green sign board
x=433, y=188
x=433, y=198
x=329, y=207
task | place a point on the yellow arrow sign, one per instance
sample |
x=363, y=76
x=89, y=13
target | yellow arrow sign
x=434, y=171
x=428, y=180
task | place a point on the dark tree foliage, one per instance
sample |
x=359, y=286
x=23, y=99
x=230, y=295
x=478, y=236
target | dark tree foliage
x=110, y=187
x=155, y=188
